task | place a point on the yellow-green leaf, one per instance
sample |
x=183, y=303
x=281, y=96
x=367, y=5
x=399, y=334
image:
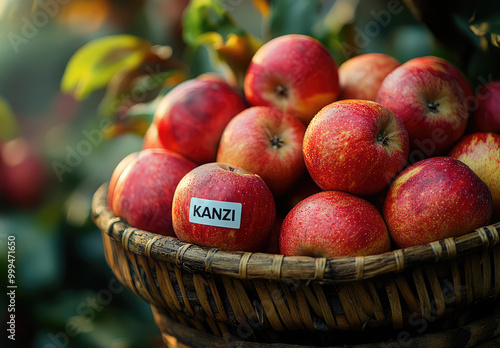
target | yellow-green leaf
x=235, y=51
x=94, y=64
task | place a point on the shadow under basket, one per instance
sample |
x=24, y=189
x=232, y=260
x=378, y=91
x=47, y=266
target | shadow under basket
x=283, y=301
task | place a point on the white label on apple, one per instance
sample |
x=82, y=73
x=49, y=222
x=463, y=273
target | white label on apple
x=215, y=213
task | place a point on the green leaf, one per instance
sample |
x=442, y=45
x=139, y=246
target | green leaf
x=9, y=129
x=237, y=53
x=216, y=42
x=94, y=64
x=204, y=16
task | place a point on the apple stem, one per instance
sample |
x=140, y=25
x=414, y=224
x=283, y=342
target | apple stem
x=382, y=138
x=276, y=142
x=281, y=91
x=433, y=106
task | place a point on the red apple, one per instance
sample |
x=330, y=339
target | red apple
x=486, y=117
x=356, y=146
x=433, y=199
x=293, y=73
x=333, y=223
x=25, y=175
x=447, y=67
x=481, y=152
x=220, y=206
x=267, y=142
x=431, y=104
x=360, y=77
x=191, y=118
x=142, y=188
x=117, y=172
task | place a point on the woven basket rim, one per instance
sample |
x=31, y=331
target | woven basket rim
x=258, y=265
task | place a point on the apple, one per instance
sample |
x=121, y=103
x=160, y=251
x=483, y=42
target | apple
x=486, y=117
x=267, y=142
x=447, y=67
x=360, y=77
x=431, y=104
x=117, y=172
x=356, y=146
x=433, y=199
x=221, y=206
x=24, y=174
x=334, y=223
x=142, y=187
x=293, y=73
x=191, y=118
x=481, y=152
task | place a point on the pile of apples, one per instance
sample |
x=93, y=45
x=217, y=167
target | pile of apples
x=315, y=159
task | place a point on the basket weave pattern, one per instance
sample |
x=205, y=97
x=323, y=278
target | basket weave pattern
x=267, y=296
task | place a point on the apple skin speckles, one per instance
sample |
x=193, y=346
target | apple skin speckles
x=433, y=199
x=481, y=152
x=293, y=73
x=356, y=146
x=334, y=223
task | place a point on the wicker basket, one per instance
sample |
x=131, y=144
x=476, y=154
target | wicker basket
x=481, y=333
x=244, y=296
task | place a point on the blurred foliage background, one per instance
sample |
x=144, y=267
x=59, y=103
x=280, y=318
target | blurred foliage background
x=79, y=81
